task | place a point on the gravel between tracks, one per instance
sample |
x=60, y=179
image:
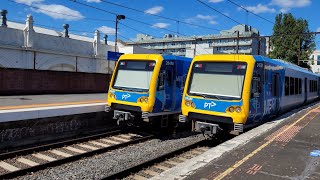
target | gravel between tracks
x=112, y=162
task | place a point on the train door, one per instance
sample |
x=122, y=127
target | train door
x=318, y=86
x=257, y=95
x=276, y=91
x=305, y=89
x=169, y=84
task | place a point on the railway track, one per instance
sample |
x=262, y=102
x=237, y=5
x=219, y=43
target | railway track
x=162, y=163
x=17, y=163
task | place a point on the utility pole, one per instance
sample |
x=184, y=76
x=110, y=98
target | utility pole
x=299, y=50
x=237, y=48
x=118, y=17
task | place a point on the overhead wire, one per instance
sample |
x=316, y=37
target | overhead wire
x=70, y=15
x=132, y=19
x=250, y=11
x=156, y=15
x=210, y=7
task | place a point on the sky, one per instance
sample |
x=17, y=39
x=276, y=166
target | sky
x=85, y=20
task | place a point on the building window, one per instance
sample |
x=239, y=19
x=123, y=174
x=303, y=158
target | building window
x=318, y=60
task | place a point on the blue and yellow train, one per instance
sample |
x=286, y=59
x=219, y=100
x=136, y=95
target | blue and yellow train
x=147, y=87
x=233, y=92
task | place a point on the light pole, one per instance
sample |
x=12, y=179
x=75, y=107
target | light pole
x=118, y=17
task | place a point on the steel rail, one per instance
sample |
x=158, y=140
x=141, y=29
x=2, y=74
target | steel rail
x=71, y=158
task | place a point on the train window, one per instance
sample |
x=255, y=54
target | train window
x=300, y=86
x=296, y=86
x=274, y=85
x=291, y=86
x=316, y=86
x=286, y=86
x=160, y=81
x=310, y=85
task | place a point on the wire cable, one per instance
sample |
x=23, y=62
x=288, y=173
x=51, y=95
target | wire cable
x=60, y=12
x=250, y=12
x=163, y=17
x=210, y=7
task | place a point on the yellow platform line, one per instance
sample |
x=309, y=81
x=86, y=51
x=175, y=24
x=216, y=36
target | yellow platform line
x=50, y=104
x=239, y=163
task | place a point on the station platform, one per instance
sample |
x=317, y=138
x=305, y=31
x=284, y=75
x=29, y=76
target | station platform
x=287, y=148
x=13, y=108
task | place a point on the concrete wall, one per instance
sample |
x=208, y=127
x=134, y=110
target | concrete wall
x=23, y=81
x=26, y=47
x=21, y=133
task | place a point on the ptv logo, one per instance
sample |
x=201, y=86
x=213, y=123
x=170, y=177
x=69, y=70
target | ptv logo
x=126, y=96
x=209, y=105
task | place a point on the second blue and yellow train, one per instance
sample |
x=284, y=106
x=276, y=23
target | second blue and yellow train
x=234, y=92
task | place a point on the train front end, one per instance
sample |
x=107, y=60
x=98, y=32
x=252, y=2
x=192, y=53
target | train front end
x=216, y=94
x=133, y=86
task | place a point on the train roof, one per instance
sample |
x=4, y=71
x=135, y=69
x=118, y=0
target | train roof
x=283, y=63
x=180, y=58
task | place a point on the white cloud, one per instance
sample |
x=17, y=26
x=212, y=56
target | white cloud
x=107, y=30
x=160, y=25
x=154, y=10
x=318, y=30
x=198, y=17
x=96, y=1
x=204, y=17
x=288, y=4
x=65, y=12
x=215, y=1
x=284, y=10
x=28, y=2
x=213, y=22
x=259, y=9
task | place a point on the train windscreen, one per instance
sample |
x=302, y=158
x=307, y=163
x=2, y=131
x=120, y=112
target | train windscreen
x=134, y=75
x=220, y=80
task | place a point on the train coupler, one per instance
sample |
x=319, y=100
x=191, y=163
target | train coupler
x=122, y=116
x=208, y=130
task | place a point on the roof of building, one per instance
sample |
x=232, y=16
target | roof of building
x=244, y=31
x=20, y=26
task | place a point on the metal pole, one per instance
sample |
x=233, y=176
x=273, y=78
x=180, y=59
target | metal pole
x=258, y=46
x=299, y=50
x=237, y=48
x=269, y=45
x=115, y=42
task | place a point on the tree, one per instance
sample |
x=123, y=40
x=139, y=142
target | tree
x=291, y=39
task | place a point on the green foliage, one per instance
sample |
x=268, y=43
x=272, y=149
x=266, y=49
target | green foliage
x=290, y=40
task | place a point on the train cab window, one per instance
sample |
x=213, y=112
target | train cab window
x=291, y=86
x=286, y=86
x=296, y=86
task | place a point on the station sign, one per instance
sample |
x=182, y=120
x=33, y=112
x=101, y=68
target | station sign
x=113, y=56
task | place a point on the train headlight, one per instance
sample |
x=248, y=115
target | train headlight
x=143, y=99
x=112, y=96
x=188, y=103
x=238, y=109
x=231, y=109
x=193, y=105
